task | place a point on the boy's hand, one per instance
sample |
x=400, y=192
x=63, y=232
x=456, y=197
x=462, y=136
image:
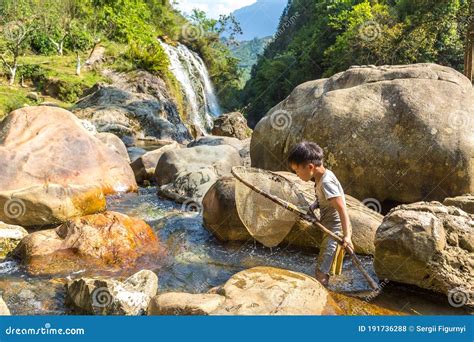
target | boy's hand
x=347, y=242
x=312, y=208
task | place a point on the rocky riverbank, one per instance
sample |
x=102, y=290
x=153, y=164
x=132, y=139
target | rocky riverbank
x=85, y=210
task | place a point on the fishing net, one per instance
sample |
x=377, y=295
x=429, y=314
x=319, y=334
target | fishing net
x=268, y=222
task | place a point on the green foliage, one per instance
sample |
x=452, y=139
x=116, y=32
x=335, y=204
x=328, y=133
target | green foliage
x=40, y=43
x=128, y=28
x=70, y=92
x=149, y=57
x=330, y=36
x=32, y=72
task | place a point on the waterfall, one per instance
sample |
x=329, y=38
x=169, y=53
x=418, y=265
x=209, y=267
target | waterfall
x=191, y=72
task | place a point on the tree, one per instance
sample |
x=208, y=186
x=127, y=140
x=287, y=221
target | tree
x=18, y=23
x=58, y=18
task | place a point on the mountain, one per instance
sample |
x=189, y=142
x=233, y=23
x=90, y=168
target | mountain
x=247, y=53
x=259, y=19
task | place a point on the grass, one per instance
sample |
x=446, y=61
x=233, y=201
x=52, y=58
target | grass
x=58, y=68
x=62, y=71
x=64, y=68
x=12, y=98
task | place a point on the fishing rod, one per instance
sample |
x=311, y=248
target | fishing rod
x=313, y=220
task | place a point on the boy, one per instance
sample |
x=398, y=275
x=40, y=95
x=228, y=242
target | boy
x=306, y=160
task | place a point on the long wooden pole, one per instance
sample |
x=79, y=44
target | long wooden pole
x=310, y=219
x=469, y=53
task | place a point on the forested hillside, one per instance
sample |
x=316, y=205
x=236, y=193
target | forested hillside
x=319, y=38
x=44, y=39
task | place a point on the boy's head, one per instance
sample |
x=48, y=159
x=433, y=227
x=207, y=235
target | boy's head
x=304, y=158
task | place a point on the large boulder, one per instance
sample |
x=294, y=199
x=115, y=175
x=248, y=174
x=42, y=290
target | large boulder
x=53, y=168
x=428, y=245
x=10, y=237
x=42, y=206
x=108, y=241
x=388, y=132
x=232, y=125
x=136, y=104
x=144, y=166
x=465, y=202
x=256, y=291
x=188, y=173
x=221, y=218
x=105, y=296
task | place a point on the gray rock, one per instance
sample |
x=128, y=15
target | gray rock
x=428, y=245
x=465, y=202
x=189, y=172
x=136, y=104
x=144, y=166
x=33, y=96
x=232, y=125
x=104, y=296
x=388, y=132
x=190, y=186
x=242, y=146
x=10, y=237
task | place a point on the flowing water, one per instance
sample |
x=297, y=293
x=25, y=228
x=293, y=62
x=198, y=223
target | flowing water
x=195, y=262
x=191, y=72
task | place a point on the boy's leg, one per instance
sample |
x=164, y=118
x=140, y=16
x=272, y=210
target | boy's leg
x=326, y=256
x=322, y=278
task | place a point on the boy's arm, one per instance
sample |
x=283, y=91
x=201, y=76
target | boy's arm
x=338, y=203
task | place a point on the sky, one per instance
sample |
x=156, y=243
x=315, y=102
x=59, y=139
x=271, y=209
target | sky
x=213, y=8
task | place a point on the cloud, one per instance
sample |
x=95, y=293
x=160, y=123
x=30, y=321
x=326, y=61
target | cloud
x=213, y=8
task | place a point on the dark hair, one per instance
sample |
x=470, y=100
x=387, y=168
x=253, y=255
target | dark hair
x=306, y=152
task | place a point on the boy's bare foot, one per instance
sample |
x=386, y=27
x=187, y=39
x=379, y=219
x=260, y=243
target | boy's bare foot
x=322, y=278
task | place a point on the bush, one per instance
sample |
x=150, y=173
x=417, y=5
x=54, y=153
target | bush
x=41, y=44
x=148, y=56
x=32, y=72
x=70, y=92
